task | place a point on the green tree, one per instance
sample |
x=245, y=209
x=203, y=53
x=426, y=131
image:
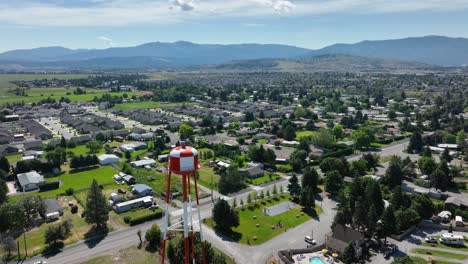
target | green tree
x=461, y=139
x=224, y=216
x=363, y=137
x=403, y=260
x=439, y=179
x=185, y=131
x=349, y=254
x=153, y=236
x=231, y=181
x=4, y=164
x=307, y=197
x=427, y=165
x=310, y=179
x=333, y=182
x=423, y=205
x=388, y=222
x=96, y=211
x=63, y=142
x=294, y=188
x=415, y=143
x=394, y=174
x=57, y=232
x=445, y=156
x=128, y=155
x=100, y=137
x=3, y=192
x=94, y=147
x=405, y=218
x=297, y=159
x=331, y=164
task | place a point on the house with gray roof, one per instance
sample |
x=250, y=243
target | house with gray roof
x=30, y=181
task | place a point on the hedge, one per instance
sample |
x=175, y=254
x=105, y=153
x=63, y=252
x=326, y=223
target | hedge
x=140, y=219
x=49, y=186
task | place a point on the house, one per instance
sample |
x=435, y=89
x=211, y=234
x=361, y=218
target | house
x=142, y=190
x=30, y=181
x=129, y=179
x=134, y=136
x=106, y=159
x=143, y=163
x=9, y=118
x=136, y=203
x=133, y=146
x=163, y=158
x=253, y=172
x=454, y=202
x=342, y=236
x=449, y=146
x=53, y=207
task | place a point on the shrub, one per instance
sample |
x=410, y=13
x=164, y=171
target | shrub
x=127, y=219
x=138, y=220
x=69, y=191
x=49, y=186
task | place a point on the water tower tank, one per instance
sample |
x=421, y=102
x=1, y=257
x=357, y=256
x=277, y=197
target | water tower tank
x=183, y=160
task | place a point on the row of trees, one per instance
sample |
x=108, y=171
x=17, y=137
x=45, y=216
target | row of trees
x=304, y=193
x=83, y=161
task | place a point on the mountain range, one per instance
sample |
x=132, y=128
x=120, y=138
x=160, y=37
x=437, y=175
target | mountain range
x=401, y=53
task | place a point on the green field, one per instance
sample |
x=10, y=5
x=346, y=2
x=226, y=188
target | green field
x=264, y=179
x=38, y=94
x=6, y=79
x=438, y=253
x=251, y=215
x=464, y=248
x=205, y=177
x=77, y=181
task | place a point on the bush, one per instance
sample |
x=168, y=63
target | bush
x=144, y=218
x=49, y=186
x=69, y=191
x=422, y=183
x=127, y=219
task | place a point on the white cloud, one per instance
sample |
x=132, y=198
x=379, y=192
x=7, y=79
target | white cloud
x=153, y=12
x=107, y=40
x=184, y=5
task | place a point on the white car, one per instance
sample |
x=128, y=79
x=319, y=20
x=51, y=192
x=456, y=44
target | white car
x=309, y=240
x=431, y=239
x=40, y=262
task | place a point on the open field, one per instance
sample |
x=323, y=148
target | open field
x=144, y=105
x=264, y=179
x=206, y=173
x=38, y=94
x=252, y=214
x=5, y=79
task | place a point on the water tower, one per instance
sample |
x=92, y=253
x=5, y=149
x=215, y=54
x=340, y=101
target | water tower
x=183, y=161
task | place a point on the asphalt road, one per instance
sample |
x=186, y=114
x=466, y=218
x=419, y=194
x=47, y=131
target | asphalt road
x=244, y=254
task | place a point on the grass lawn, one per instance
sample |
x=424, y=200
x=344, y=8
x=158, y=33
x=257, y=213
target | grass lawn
x=419, y=260
x=35, y=237
x=83, y=150
x=304, y=133
x=248, y=233
x=263, y=141
x=77, y=181
x=205, y=177
x=264, y=179
x=14, y=158
x=129, y=255
x=437, y=253
x=464, y=248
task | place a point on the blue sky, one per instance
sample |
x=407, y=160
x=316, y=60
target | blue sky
x=305, y=23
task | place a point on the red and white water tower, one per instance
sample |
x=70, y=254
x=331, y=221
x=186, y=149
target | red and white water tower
x=183, y=161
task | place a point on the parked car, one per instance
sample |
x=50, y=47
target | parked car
x=309, y=240
x=431, y=239
x=390, y=249
x=159, y=169
x=40, y=262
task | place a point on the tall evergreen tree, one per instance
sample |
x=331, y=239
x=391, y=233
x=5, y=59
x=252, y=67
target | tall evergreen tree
x=388, y=222
x=294, y=188
x=3, y=192
x=349, y=255
x=4, y=164
x=224, y=216
x=310, y=178
x=96, y=211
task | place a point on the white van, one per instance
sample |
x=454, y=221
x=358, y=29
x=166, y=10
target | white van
x=309, y=240
x=451, y=239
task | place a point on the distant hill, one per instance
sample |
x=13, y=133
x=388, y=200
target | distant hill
x=343, y=63
x=435, y=50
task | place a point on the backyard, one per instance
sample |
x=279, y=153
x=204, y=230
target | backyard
x=256, y=227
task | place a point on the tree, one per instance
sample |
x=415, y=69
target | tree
x=415, y=143
x=4, y=164
x=297, y=159
x=231, y=181
x=3, y=192
x=388, y=226
x=185, y=131
x=310, y=179
x=96, y=211
x=224, y=216
x=153, y=236
x=307, y=197
x=349, y=254
x=331, y=164
x=363, y=137
x=94, y=147
x=440, y=179
x=461, y=137
x=57, y=232
x=63, y=142
x=294, y=188
x=275, y=190
x=371, y=159
x=100, y=137
x=403, y=260
x=405, y=218
x=394, y=174
x=445, y=156
x=128, y=155
x=423, y=205
x=427, y=165
x=333, y=182
x=9, y=245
